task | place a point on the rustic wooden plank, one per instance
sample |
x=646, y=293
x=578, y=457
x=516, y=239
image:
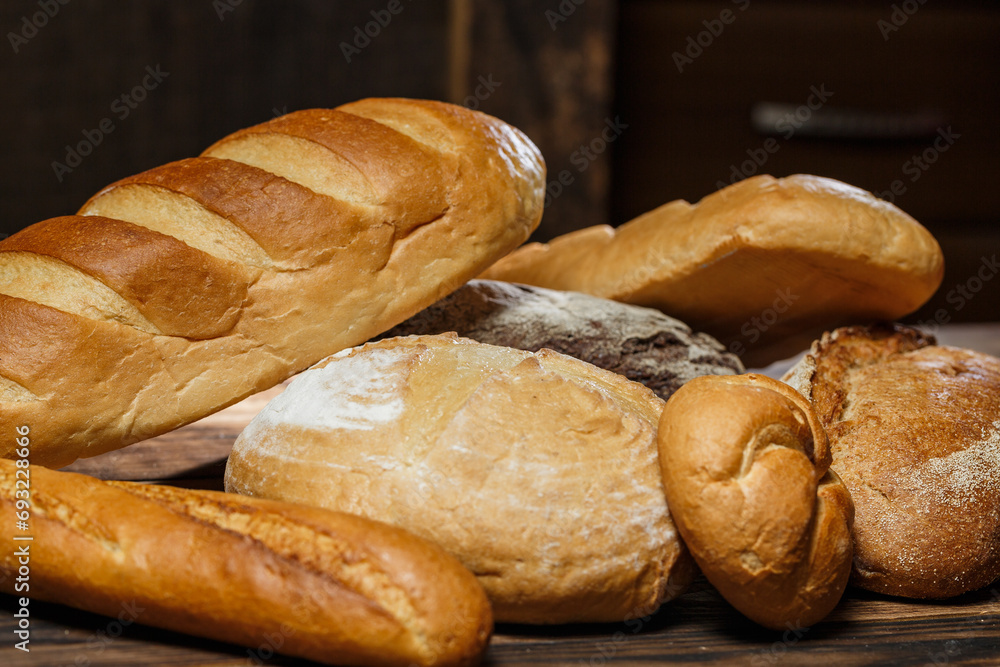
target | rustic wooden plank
x=698, y=627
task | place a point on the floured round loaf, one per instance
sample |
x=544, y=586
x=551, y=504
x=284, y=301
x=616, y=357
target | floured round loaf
x=538, y=471
x=764, y=265
x=914, y=430
x=642, y=344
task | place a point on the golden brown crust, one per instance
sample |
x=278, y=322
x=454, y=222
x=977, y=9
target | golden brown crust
x=915, y=434
x=203, y=305
x=764, y=265
x=316, y=584
x=294, y=226
x=744, y=463
x=203, y=281
x=536, y=470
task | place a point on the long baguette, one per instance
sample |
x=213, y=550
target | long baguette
x=186, y=288
x=313, y=583
x=763, y=265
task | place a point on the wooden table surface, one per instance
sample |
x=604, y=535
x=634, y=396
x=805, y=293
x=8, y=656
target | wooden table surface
x=698, y=627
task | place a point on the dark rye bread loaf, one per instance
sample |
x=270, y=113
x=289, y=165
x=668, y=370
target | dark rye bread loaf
x=914, y=431
x=642, y=344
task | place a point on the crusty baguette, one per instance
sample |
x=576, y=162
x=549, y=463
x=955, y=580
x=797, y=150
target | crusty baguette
x=763, y=265
x=181, y=290
x=313, y=583
x=745, y=466
x=915, y=434
x=536, y=470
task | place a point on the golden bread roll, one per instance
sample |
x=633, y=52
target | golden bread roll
x=311, y=583
x=745, y=467
x=763, y=265
x=914, y=429
x=186, y=288
x=537, y=471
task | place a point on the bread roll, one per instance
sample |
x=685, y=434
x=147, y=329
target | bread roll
x=915, y=434
x=181, y=290
x=642, y=344
x=537, y=471
x=310, y=583
x=763, y=265
x=745, y=467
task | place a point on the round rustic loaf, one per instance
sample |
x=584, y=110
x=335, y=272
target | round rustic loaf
x=915, y=433
x=642, y=344
x=538, y=471
x=745, y=468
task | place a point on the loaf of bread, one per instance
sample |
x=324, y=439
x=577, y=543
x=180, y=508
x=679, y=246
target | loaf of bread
x=316, y=584
x=763, y=265
x=181, y=290
x=915, y=433
x=746, y=470
x=642, y=344
x=537, y=471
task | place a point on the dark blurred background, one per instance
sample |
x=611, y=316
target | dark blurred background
x=633, y=103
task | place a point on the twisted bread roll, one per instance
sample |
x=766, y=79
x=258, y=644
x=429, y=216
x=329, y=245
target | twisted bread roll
x=745, y=465
x=181, y=290
x=763, y=265
x=311, y=583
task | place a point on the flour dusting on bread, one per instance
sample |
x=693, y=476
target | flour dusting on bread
x=964, y=475
x=352, y=394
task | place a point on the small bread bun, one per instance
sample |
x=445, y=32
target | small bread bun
x=745, y=470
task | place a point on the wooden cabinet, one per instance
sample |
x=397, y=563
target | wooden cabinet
x=901, y=99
